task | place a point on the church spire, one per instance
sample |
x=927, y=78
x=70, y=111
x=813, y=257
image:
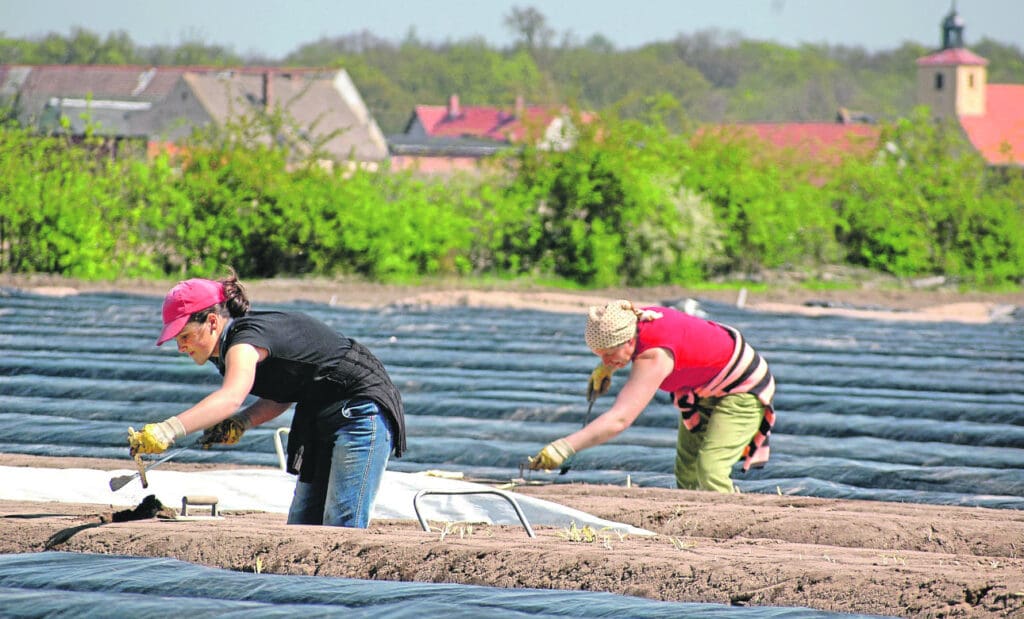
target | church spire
x=953, y=30
x=953, y=81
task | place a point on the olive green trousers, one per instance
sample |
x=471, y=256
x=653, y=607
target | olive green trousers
x=704, y=458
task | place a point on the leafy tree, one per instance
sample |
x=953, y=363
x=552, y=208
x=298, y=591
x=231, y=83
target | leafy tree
x=531, y=26
x=609, y=210
x=13, y=51
x=62, y=209
x=198, y=53
x=639, y=199
x=626, y=80
x=925, y=206
x=1005, y=62
x=117, y=48
x=765, y=200
x=716, y=76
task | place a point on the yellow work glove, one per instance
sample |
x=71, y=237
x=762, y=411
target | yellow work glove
x=155, y=438
x=600, y=381
x=552, y=456
x=227, y=432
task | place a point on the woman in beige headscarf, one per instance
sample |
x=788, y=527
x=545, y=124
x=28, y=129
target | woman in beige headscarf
x=722, y=387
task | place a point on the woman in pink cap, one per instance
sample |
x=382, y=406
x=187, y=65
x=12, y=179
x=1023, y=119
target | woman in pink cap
x=348, y=416
x=722, y=387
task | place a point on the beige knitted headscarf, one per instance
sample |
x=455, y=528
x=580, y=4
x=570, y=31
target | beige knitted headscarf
x=614, y=324
x=610, y=326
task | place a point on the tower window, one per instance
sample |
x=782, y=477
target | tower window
x=938, y=81
x=970, y=80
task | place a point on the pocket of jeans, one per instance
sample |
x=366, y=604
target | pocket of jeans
x=363, y=409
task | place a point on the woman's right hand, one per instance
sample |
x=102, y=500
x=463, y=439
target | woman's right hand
x=553, y=456
x=155, y=438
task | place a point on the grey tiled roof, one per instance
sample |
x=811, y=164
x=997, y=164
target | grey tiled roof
x=322, y=102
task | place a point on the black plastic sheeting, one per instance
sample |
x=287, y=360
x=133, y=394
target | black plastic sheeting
x=922, y=412
x=102, y=586
x=900, y=411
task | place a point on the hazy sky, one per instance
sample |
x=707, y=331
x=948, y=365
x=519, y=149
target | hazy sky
x=273, y=28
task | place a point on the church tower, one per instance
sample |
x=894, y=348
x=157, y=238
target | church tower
x=952, y=81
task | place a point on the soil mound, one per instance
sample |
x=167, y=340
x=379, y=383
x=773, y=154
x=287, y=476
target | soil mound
x=759, y=550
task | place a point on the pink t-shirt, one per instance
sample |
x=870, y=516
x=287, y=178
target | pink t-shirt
x=701, y=348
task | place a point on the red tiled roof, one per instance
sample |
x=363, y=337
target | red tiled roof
x=478, y=121
x=819, y=140
x=999, y=134
x=951, y=57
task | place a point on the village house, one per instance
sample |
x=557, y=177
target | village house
x=157, y=106
x=322, y=111
x=149, y=108
x=446, y=138
x=952, y=82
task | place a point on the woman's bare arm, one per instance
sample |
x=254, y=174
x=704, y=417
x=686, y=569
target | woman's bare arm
x=240, y=362
x=649, y=370
x=261, y=411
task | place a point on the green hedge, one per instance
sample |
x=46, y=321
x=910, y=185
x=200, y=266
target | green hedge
x=631, y=203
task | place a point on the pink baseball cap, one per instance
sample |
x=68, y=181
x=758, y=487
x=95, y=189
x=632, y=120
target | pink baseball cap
x=185, y=299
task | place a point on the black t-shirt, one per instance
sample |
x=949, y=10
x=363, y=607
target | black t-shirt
x=301, y=350
x=321, y=371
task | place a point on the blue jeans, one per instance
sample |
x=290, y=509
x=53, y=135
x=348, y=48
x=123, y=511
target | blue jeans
x=343, y=494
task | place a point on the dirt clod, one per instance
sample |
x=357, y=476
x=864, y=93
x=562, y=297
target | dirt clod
x=150, y=507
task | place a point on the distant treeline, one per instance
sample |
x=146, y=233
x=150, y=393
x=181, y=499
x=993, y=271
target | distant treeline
x=714, y=76
x=634, y=202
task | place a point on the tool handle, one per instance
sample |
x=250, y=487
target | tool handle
x=586, y=419
x=140, y=467
x=116, y=483
x=166, y=457
x=146, y=467
x=199, y=499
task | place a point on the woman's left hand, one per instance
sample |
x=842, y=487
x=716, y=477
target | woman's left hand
x=227, y=432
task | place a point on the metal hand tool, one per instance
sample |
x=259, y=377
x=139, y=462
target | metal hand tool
x=565, y=467
x=116, y=483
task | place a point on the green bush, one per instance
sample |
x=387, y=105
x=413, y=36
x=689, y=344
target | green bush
x=61, y=207
x=631, y=202
x=772, y=215
x=928, y=204
x=610, y=210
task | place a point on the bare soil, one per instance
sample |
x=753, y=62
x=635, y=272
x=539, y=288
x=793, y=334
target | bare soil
x=746, y=550
x=850, y=294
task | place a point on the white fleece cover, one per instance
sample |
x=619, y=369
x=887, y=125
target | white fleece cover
x=271, y=490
